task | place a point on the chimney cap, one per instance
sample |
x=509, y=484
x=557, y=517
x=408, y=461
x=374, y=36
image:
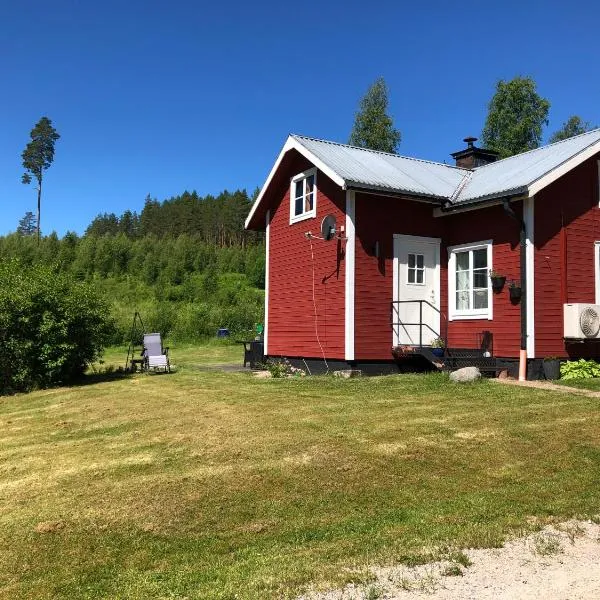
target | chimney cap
x=470, y=140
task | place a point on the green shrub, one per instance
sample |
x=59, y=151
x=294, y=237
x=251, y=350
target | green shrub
x=579, y=369
x=51, y=327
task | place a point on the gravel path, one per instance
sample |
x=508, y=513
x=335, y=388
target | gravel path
x=548, y=385
x=561, y=562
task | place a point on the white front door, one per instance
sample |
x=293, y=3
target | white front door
x=416, y=277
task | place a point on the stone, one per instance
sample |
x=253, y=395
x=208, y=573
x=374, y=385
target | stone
x=348, y=373
x=465, y=375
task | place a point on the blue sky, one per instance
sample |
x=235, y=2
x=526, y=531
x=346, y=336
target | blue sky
x=159, y=97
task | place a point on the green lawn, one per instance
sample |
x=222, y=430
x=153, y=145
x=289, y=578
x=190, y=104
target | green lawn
x=592, y=384
x=206, y=485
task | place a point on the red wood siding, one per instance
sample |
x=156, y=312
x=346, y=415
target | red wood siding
x=291, y=310
x=489, y=224
x=567, y=210
x=377, y=219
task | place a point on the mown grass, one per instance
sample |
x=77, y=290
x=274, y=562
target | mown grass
x=211, y=485
x=592, y=384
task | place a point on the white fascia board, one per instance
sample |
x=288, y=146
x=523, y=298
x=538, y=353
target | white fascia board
x=528, y=218
x=563, y=169
x=293, y=144
x=350, y=255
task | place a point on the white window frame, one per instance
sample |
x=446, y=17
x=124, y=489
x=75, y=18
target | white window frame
x=415, y=269
x=311, y=213
x=480, y=313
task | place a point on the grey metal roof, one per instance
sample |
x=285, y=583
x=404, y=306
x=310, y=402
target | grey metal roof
x=518, y=172
x=360, y=167
x=370, y=169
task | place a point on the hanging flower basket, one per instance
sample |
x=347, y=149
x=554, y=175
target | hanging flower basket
x=497, y=280
x=515, y=293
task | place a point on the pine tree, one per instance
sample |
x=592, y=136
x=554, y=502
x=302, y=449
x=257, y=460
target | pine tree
x=373, y=127
x=27, y=225
x=38, y=156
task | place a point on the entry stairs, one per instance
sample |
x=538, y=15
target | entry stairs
x=443, y=359
x=450, y=359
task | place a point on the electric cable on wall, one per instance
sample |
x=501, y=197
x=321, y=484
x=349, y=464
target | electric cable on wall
x=312, y=256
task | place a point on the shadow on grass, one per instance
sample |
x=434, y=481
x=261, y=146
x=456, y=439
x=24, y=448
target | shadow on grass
x=100, y=377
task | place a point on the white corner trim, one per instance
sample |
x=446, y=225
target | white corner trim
x=528, y=218
x=293, y=144
x=349, y=274
x=564, y=168
x=597, y=270
x=453, y=314
x=396, y=289
x=267, y=244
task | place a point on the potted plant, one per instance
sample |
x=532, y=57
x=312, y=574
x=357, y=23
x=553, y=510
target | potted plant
x=551, y=366
x=437, y=347
x=514, y=290
x=497, y=280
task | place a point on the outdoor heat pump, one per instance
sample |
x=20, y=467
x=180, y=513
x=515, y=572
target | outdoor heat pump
x=582, y=321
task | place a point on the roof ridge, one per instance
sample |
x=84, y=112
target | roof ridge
x=423, y=160
x=539, y=148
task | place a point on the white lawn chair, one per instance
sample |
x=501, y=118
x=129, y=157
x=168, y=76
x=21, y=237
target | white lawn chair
x=155, y=356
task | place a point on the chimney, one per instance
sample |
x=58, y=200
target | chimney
x=472, y=156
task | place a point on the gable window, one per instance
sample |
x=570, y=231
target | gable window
x=469, y=285
x=303, y=196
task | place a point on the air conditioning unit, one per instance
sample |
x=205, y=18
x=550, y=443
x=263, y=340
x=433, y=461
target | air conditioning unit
x=582, y=321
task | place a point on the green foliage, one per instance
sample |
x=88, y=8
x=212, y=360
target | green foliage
x=373, y=127
x=573, y=126
x=51, y=327
x=27, y=225
x=516, y=117
x=38, y=156
x=185, y=264
x=580, y=369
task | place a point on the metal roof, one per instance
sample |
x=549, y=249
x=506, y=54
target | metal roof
x=360, y=167
x=516, y=173
x=352, y=167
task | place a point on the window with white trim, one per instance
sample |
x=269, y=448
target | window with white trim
x=303, y=196
x=469, y=283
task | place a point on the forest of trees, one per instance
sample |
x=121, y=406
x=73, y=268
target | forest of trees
x=185, y=263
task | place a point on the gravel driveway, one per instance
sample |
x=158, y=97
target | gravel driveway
x=561, y=562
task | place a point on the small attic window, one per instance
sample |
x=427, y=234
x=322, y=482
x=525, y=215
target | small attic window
x=303, y=196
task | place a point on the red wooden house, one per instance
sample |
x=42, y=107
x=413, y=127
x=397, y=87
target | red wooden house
x=412, y=249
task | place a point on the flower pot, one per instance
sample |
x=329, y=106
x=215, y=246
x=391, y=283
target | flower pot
x=498, y=283
x=439, y=352
x=552, y=369
x=515, y=293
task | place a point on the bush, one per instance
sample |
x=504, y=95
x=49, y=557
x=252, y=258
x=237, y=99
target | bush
x=579, y=369
x=51, y=327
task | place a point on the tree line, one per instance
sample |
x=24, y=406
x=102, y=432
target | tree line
x=185, y=263
x=515, y=122
x=217, y=220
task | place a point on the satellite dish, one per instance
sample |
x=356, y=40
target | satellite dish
x=328, y=229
